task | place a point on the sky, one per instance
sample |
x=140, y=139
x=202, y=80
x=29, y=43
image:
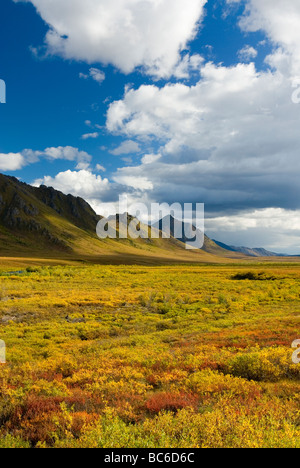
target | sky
x=170, y=101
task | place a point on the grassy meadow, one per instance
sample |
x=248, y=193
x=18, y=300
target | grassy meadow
x=142, y=356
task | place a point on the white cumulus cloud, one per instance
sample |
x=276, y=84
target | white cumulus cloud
x=280, y=21
x=126, y=147
x=88, y=136
x=230, y=141
x=247, y=53
x=11, y=162
x=15, y=161
x=95, y=74
x=125, y=33
x=82, y=183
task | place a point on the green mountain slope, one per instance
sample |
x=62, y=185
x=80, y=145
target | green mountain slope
x=43, y=222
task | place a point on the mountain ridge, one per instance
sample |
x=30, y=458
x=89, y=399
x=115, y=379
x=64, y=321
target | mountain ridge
x=251, y=252
x=44, y=221
x=189, y=234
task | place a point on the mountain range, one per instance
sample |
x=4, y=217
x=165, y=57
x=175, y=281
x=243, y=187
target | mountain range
x=43, y=222
x=256, y=252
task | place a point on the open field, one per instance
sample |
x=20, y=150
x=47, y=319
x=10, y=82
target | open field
x=149, y=356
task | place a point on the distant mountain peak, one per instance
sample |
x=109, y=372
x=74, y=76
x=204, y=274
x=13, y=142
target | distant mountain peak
x=256, y=252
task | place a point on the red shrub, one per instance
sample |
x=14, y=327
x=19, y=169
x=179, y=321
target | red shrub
x=37, y=406
x=170, y=402
x=81, y=420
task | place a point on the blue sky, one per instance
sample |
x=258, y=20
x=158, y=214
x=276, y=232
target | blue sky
x=160, y=100
x=48, y=103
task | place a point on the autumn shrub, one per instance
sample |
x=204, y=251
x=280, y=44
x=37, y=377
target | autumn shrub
x=35, y=419
x=144, y=356
x=266, y=365
x=167, y=401
x=213, y=383
x=10, y=442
